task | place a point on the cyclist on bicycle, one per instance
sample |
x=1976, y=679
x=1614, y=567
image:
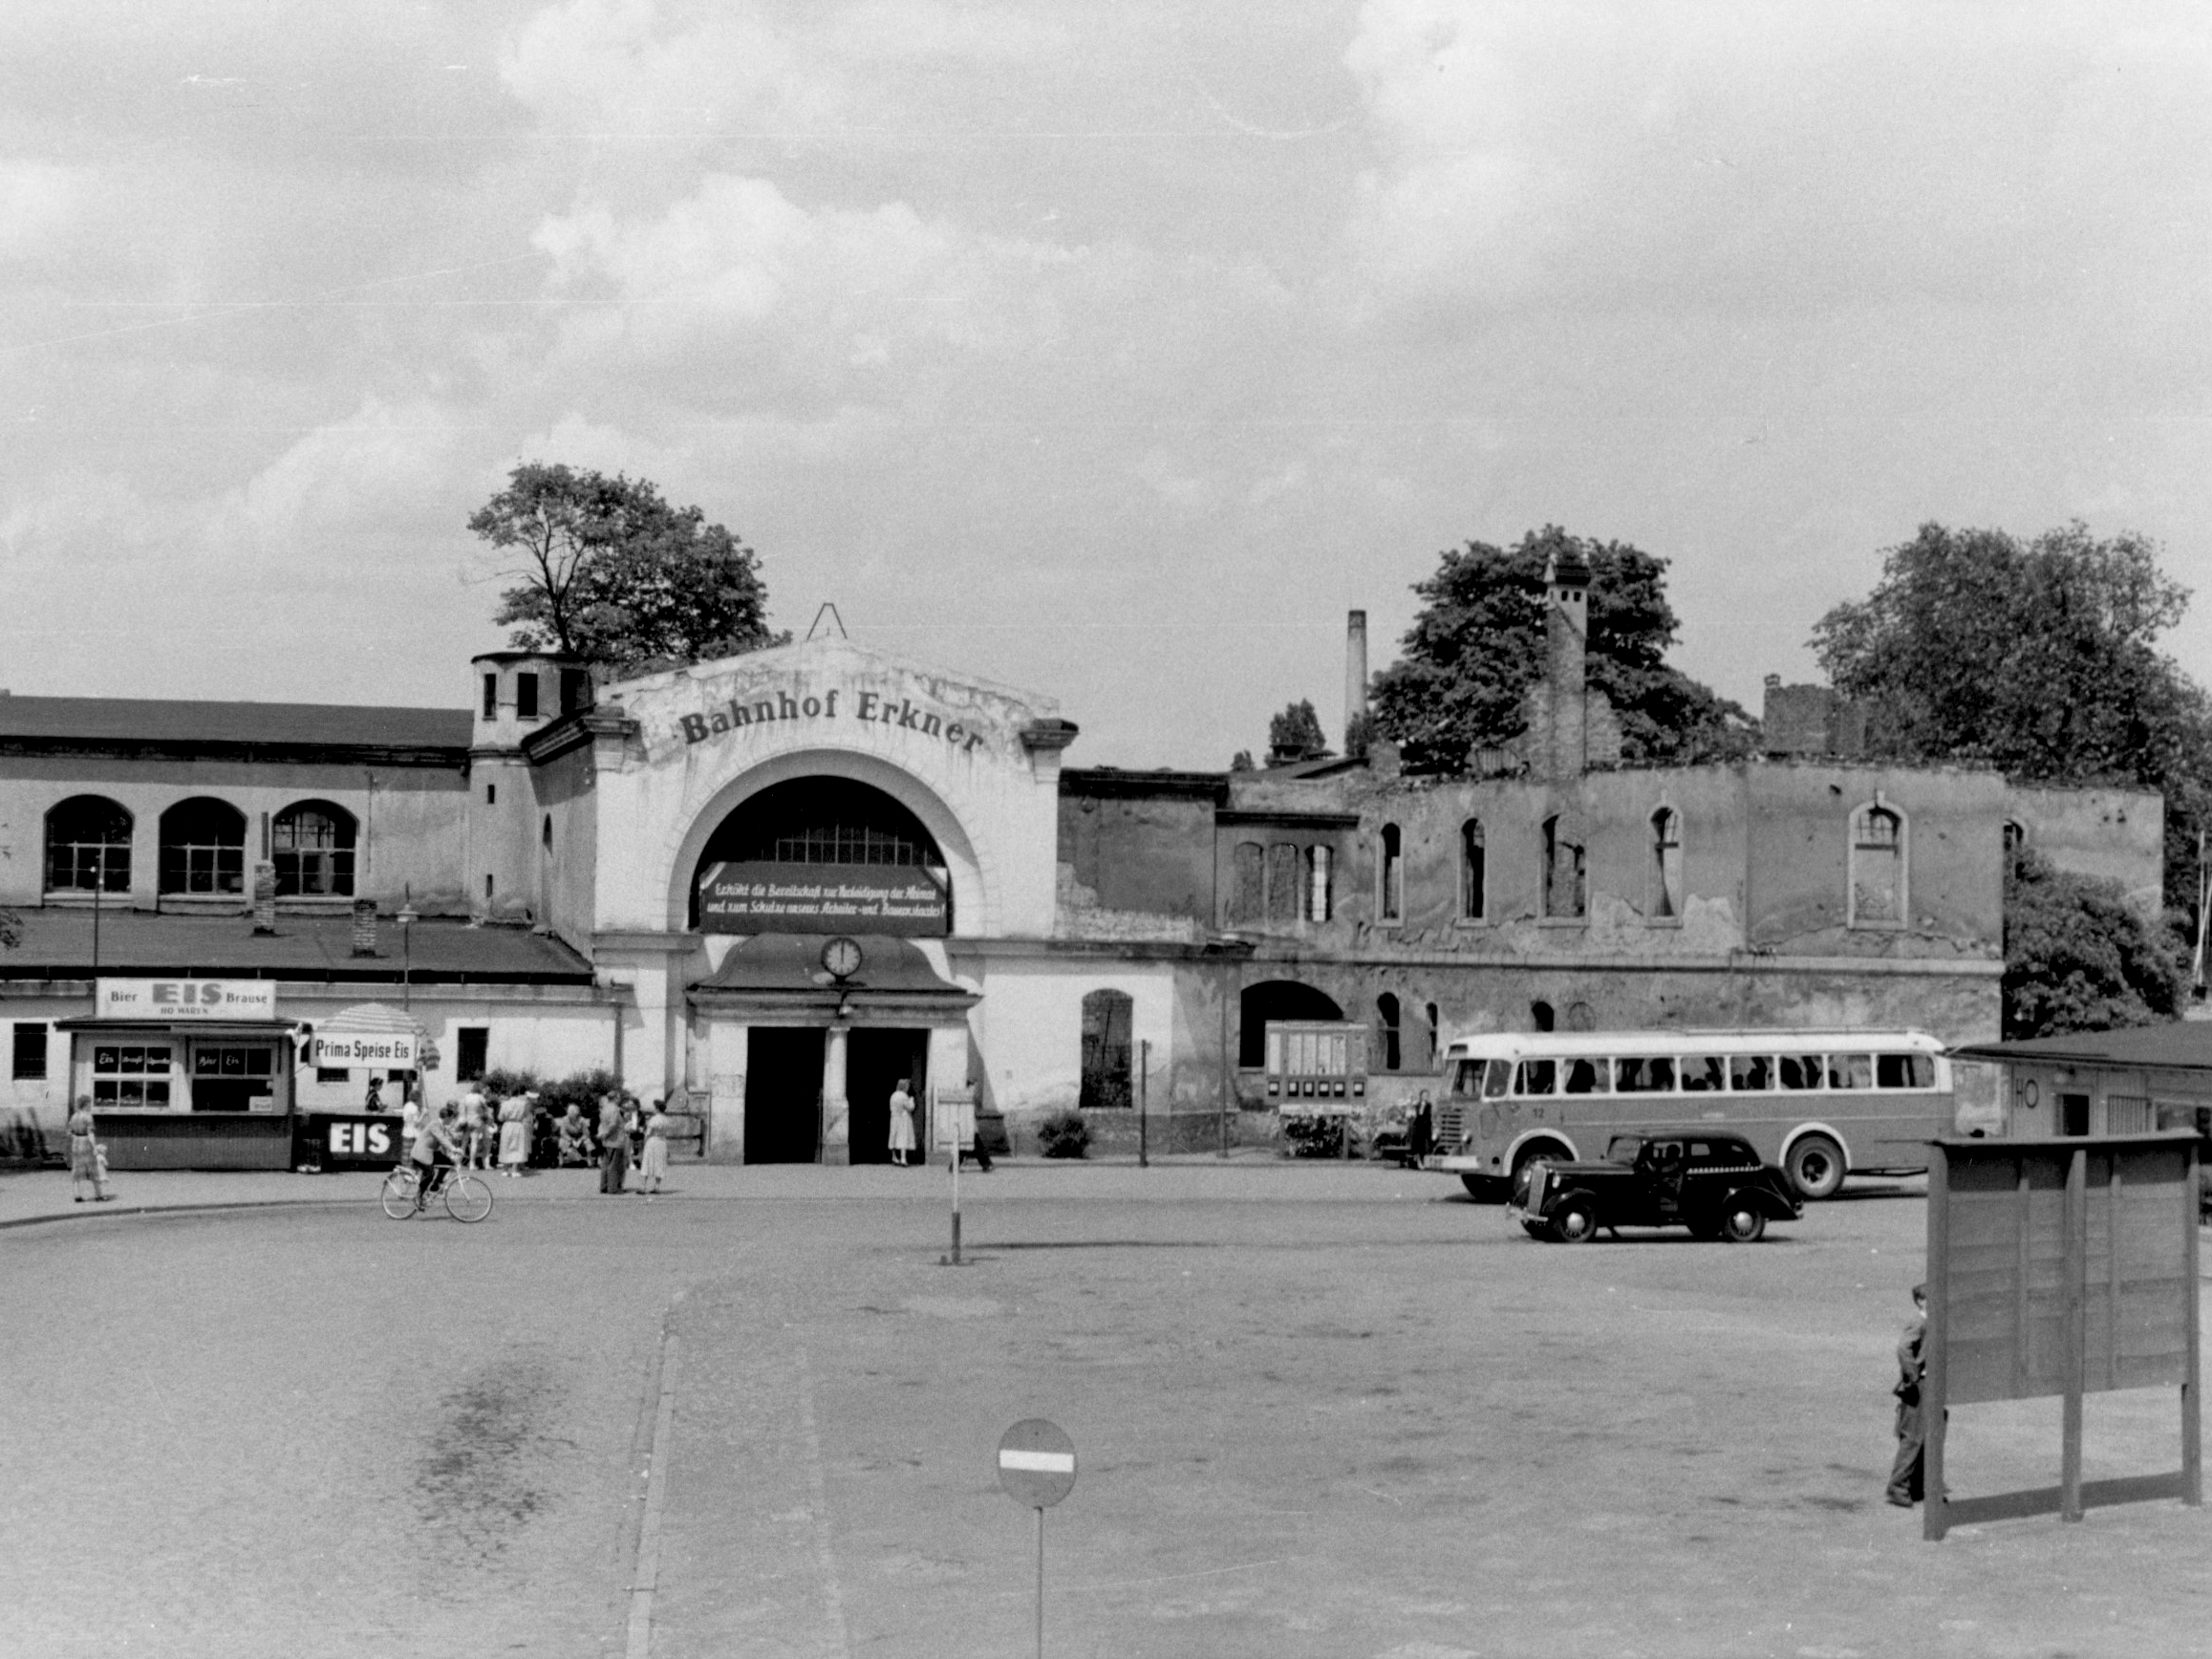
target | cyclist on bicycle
x=435, y=1134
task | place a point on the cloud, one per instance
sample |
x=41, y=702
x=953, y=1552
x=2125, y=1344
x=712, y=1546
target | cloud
x=39, y=206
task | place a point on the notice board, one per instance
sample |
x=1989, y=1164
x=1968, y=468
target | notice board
x=2061, y=1267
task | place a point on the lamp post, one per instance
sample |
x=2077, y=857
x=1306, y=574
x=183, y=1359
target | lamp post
x=407, y=920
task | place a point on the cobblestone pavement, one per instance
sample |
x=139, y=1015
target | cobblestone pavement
x=1318, y=1412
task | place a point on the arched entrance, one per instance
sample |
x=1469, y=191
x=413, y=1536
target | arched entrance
x=1275, y=999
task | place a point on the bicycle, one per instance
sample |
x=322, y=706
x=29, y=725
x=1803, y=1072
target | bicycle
x=467, y=1198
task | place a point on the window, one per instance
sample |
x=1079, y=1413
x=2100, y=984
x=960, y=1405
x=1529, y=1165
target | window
x=1589, y=1077
x=1393, y=899
x=29, y=1050
x=312, y=847
x=1284, y=900
x=1248, y=886
x=1904, y=1072
x=1646, y=1075
x=1666, y=864
x=1701, y=1075
x=470, y=1046
x=525, y=696
x=1877, y=852
x=491, y=696
x=131, y=1075
x=546, y=835
x=203, y=847
x=1565, y=876
x=1851, y=1071
x=1540, y=1017
x=1751, y=1074
x=1106, y=1050
x=1436, y=1036
x=487, y=887
x=1386, y=1023
x=1801, y=1071
x=88, y=847
x=1537, y=1077
x=1473, y=882
x=491, y=795
x=333, y=1074
x=575, y=690
x=1318, y=859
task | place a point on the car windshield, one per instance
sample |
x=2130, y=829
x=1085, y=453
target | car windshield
x=1624, y=1149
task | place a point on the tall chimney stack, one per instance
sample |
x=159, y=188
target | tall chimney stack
x=1355, y=682
x=1566, y=640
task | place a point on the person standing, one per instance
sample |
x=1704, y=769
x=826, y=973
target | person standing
x=475, y=1121
x=902, y=1125
x=613, y=1144
x=653, y=1170
x=85, y=1163
x=1906, y=1486
x=1420, y=1131
x=514, y=1134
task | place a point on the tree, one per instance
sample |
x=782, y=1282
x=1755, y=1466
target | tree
x=2036, y=658
x=611, y=574
x=2079, y=957
x=1295, y=735
x=1479, y=645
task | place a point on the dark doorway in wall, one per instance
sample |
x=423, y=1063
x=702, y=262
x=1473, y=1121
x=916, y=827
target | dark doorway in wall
x=783, y=1093
x=875, y=1060
x=1541, y=1016
x=1274, y=999
x=1106, y=1050
x=2073, y=1115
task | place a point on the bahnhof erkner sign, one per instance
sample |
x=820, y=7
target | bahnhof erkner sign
x=641, y=876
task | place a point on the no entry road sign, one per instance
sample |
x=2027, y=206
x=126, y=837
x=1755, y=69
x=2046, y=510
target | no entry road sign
x=1037, y=1463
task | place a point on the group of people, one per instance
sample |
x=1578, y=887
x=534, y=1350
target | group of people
x=475, y=1128
x=626, y=1132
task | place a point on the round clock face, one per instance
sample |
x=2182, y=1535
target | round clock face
x=841, y=957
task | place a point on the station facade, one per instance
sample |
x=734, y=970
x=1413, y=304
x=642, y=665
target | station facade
x=644, y=875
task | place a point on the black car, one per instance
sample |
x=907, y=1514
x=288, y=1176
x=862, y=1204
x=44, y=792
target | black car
x=1713, y=1184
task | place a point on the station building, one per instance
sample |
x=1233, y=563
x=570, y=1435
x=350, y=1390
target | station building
x=643, y=876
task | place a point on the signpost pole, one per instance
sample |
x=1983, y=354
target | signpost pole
x=956, y=1159
x=1039, y=1582
x=1144, y=1081
x=2076, y=1270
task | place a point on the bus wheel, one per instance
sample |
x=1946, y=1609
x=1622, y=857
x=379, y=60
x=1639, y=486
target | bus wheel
x=1815, y=1167
x=1741, y=1224
x=1575, y=1221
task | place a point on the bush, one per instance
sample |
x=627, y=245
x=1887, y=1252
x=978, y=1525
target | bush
x=502, y=1082
x=1317, y=1137
x=583, y=1088
x=1063, y=1134
x=2079, y=957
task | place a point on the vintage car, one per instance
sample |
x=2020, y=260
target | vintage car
x=1712, y=1183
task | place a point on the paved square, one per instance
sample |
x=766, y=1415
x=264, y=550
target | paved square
x=1319, y=1413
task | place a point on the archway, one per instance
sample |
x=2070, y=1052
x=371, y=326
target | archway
x=1274, y=999
x=764, y=866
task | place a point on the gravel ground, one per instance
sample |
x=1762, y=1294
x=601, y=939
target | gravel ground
x=1319, y=1413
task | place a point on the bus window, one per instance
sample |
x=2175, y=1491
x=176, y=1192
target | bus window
x=1589, y=1077
x=1701, y=1074
x=1851, y=1071
x=1904, y=1072
x=1537, y=1077
x=1801, y=1071
x=1652, y=1074
x=1499, y=1081
x=1751, y=1074
x=1465, y=1076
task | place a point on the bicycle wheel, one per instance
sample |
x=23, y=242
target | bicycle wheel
x=399, y=1193
x=467, y=1198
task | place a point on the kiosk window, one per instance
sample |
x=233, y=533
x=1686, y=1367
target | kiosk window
x=30, y=1051
x=131, y=1075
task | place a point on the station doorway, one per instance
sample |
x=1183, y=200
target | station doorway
x=783, y=1093
x=875, y=1062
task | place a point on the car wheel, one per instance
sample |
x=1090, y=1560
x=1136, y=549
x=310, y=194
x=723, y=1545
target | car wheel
x=1575, y=1220
x=1536, y=1230
x=1815, y=1167
x=1741, y=1224
x=1477, y=1186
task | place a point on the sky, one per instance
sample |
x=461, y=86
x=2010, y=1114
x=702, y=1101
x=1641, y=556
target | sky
x=1111, y=351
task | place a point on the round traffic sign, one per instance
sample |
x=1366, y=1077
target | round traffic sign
x=1037, y=1463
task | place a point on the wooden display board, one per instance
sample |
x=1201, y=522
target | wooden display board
x=2060, y=1266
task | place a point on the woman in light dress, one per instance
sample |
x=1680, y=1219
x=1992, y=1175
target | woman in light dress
x=654, y=1168
x=902, y=1124
x=84, y=1159
x=514, y=1133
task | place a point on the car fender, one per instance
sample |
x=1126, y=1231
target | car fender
x=1513, y=1151
x=1772, y=1205
x=1821, y=1128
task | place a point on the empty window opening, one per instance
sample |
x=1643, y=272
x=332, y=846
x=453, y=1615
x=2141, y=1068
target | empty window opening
x=1877, y=870
x=1541, y=1016
x=491, y=795
x=1565, y=873
x=312, y=847
x=1473, y=882
x=471, y=1045
x=491, y=696
x=525, y=696
x=1285, y=901
x=1108, y=1019
x=1393, y=900
x=1318, y=860
x=1248, y=882
x=1386, y=1027
x=1435, y=1037
x=545, y=834
x=29, y=1056
x=88, y=845
x=1666, y=863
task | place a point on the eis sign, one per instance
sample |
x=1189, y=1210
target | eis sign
x=863, y=707
x=184, y=1000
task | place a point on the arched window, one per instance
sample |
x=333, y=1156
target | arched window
x=1435, y=1037
x=1248, y=883
x=1878, y=867
x=1107, y=1017
x=88, y=845
x=2015, y=837
x=1392, y=907
x=312, y=847
x=1274, y=999
x=1318, y=860
x=1541, y=1016
x=1386, y=1030
x=1566, y=876
x=1285, y=902
x=825, y=822
x=1474, y=877
x=203, y=847
x=1666, y=864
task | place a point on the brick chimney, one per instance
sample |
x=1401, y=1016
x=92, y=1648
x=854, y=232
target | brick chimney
x=1355, y=682
x=1566, y=646
x=364, y=927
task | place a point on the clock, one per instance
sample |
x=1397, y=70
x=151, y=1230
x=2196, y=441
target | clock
x=841, y=956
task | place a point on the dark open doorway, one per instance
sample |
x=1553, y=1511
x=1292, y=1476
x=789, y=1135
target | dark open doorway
x=782, y=1094
x=875, y=1062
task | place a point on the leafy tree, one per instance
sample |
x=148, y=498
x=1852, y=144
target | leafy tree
x=1295, y=735
x=1479, y=645
x=611, y=574
x=2037, y=658
x=2079, y=957
x=1242, y=762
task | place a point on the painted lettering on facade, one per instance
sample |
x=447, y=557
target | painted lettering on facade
x=861, y=706
x=760, y=897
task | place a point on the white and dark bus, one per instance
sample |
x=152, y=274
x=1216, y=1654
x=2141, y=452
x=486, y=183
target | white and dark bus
x=1820, y=1104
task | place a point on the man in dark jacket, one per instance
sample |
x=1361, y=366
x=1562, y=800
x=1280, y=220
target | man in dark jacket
x=1906, y=1487
x=613, y=1144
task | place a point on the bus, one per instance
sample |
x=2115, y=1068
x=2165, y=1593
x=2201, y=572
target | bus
x=1820, y=1104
